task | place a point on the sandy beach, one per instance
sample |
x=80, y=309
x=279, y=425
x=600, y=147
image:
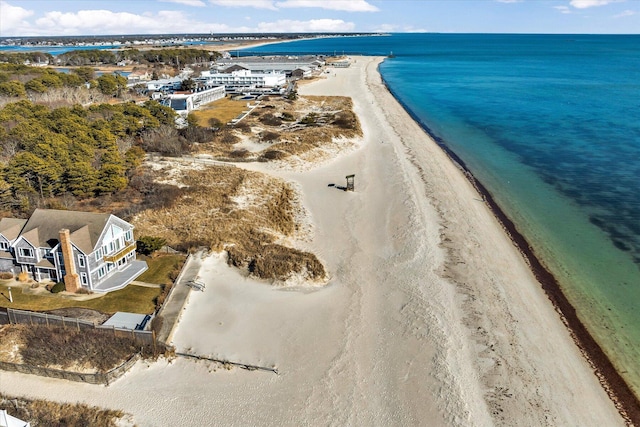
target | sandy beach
x=431, y=315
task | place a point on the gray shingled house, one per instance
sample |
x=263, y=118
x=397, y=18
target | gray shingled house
x=85, y=250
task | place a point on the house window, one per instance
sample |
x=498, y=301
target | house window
x=129, y=236
x=101, y=273
x=26, y=252
x=83, y=278
x=80, y=261
x=99, y=254
x=4, y=245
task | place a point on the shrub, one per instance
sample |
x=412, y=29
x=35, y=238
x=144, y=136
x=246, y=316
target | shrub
x=239, y=154
x=271, y=120
x=23, y=276
x=228, y=137
x=243, y=126
x=309, y=119
x=273, y=155
x=214, y=122
x=148, y=244
x=268, y=136
x=58, y=287
x=5, y=275
x=287, y=117
x=346, y=120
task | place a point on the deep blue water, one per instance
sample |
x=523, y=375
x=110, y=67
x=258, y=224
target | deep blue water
x=550, y=124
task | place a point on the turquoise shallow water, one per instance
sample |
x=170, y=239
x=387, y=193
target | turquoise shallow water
x=550, y=125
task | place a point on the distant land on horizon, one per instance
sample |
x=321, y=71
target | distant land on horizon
x=123, y=38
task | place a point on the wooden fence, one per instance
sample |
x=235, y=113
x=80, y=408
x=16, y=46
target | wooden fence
x=91, y=378
x=33, y=318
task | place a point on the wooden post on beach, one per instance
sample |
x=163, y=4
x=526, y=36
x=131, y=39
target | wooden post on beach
x=350, y=182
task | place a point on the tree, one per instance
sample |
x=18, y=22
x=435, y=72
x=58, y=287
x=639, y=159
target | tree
x=81, y=179
x=188, y=85
x=12, y=88
x=110, y=84
x=28, y=173
x=148, y=244
x=36, y=85
x=165, y=115
x=85, y=73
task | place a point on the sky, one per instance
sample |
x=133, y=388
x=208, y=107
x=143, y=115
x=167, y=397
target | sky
x=98, y=17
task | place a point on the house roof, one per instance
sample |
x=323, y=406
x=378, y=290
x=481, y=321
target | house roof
x=43, y=228
x=10, y=227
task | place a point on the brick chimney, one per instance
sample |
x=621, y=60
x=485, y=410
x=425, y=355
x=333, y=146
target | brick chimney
x=71, y=279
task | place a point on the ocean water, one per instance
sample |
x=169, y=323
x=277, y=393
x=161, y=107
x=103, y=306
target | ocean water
x=550, y=124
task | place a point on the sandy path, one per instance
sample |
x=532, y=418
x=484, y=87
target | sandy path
x=430, y=318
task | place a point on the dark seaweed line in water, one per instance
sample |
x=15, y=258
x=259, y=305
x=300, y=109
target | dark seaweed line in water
x=616, y=387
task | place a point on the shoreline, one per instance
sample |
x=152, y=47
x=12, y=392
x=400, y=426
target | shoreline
x=431, y=314
x=612, y=382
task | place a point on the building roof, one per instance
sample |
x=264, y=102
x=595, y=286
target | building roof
x=124, y=320
x=10, y=227
x=235, y=67
x=7, y=420
x=85, y=228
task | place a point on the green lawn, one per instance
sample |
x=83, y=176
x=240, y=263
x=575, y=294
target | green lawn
x=134, y=299
x=160, y=269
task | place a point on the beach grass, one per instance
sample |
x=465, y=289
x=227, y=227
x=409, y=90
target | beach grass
x=243, y=212
x=46, y=413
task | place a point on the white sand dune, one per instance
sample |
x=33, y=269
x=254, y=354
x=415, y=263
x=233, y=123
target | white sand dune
x=431, y=316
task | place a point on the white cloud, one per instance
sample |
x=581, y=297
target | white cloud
x=562, y=9
x=625, y=13
x=509, y=1
x=108, y=22
x=12, y=18
x=14, y=22
x=311, y=26
x=584, y=4
x=194, y=3
x=258, y=4
x=345, y=5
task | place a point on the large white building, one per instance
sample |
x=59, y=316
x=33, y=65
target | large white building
x=184, y=103
x=244, y=78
